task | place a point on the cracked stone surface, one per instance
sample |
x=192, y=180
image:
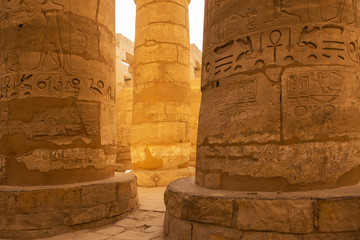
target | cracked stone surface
x=144, y=224
x=280, y=96
x=161, y=116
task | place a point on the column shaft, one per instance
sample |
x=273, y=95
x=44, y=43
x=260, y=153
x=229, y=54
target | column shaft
x=162, y=90
x=280, y=104
x=57, y=91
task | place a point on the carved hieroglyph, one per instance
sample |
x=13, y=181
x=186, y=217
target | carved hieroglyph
x=162, y=90
x=57, y=87
x=281, y=95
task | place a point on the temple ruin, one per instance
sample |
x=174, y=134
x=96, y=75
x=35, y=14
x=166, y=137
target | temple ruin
x=160, y=134
x=125, y=65
x=278, y=148
x=264, y=146
x=58, y=144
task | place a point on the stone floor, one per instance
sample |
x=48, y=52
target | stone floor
x=144, y=224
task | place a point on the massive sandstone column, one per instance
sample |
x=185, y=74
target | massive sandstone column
x=57, y=117
x=160, y=149
x=279, y=116
x=281, y=94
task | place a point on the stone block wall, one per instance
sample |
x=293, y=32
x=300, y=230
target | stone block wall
x=124, y=96
x=198, y=213
x=35, y=212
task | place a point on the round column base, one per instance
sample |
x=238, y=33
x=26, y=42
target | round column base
x=193, y=213
x=44, y=211
x=161, y=177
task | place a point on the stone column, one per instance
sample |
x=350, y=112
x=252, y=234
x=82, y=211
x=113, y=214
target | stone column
x=124, y=101
x=57, y=114
x=282, y=100
x=161, y=147
x=279, y=116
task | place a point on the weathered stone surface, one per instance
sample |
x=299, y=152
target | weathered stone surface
x=196, y=64
x=2, y=169
x=310, y=215
x=269, y=236
x=174, y=203
x=134, y=235
x=87, y=215
x=129, y=223
x=339, y=215
x=34, y=212
x=208, y=210
x=99, y=194
x=124, y=100
x=57, y=118
x=125, y=64
x=58, y=107
x=278, y=122
x=287, y=216
x=7, y=204
x=48, y=200
x=211, y=232
x=162, y=89
x=121, y=207
x=112, y=230
x=279, y=96
x=21, y=222
x=333, y=236
x=155, y=228
x=161, y=178
x=178, y=229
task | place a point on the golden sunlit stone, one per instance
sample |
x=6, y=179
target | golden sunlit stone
x=278, y=142
x=58, y=118
x=160, y=136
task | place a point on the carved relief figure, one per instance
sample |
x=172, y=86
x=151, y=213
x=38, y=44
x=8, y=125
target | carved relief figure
x=311, y=10
x=50, y=38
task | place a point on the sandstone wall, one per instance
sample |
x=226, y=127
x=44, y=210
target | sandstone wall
x=161, y=110
x=57, y=91
x=280, y=104
x=125, y=51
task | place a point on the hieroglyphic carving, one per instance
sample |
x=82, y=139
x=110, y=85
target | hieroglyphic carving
x=313, y=99
x=253, y=16
x=314, y=87
x=51, y=36
x=321, y=88
x=56, y=37
x=242, y=94
x=239, y=96
x=308, y=10
x=305, y=56
x=247, y=92
x=325, y=44
x=54, y=84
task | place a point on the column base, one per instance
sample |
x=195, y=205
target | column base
x=161, y=177
x=193, y=212
x=44, y=211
